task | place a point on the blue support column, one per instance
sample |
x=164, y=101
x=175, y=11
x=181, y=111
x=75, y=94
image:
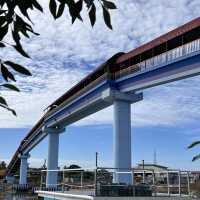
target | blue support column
x=52, y=162
x=23, y=169
x=122, y=141
x=122, y=136
x=10, y=179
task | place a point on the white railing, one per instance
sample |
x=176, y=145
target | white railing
x=86, y=181
x=163, y=58
x=170, y=182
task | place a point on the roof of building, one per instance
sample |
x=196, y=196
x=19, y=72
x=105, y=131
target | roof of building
x=152, y=165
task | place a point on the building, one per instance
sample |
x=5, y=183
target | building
x=195, y=176
x=152, y=167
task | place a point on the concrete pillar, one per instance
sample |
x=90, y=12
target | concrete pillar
x=23, y=169
x=122, y=141
x=52, y=161
x=179, y=182
x=122, y=135
x=10, y=179
x=188, y=181
x=168, y=184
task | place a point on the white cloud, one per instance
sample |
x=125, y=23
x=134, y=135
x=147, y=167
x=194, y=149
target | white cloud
x=63, y=54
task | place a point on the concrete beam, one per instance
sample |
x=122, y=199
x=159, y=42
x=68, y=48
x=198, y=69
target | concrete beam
x=111, y=96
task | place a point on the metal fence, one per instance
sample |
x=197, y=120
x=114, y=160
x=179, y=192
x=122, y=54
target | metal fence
x=88, y=181
x=166, y=182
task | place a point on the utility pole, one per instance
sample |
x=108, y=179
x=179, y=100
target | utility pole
x=96, y=173
x=155, y=157
x=143, y=171
x=97, y=159
x=143, y=164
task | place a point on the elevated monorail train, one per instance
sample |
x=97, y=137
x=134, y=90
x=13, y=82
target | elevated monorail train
x=123, y=63
x=171, y=45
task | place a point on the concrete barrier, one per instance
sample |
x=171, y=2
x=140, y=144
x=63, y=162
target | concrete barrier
x=63, y=196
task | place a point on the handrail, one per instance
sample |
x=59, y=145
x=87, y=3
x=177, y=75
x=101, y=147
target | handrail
x=163, y=58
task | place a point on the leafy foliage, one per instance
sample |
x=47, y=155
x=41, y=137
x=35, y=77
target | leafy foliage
x=194, y=144
x=2, y=165
x=197, y=157
x=15, y=19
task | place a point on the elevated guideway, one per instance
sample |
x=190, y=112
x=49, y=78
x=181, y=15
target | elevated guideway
x=171, y=57
x=179, y=63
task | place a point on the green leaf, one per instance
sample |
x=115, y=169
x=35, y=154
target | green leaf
x=53, y=8
x=194, y=144
x=109, y=4
x=11, y=87
x=19, y=48
x=92, y=15
x=73, y=10
x=37, y=5
x=89, y=3
x=6, y=74
x=16, y=36
x=2, y=11
x=23, y=7
x=13, y=112
x=2, y=44
x=106, y=16
x=3, y=101
x=6, y=107
x=18, y=68
x=4, y=104
x=79, y=6
x=60, y=10
x=197, y=157
x=2, y=3
x=3, y=31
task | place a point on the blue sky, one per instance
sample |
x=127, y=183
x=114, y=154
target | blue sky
x=166, y=120
x=79, y=144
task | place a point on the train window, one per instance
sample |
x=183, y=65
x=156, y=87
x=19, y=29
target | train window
x=114, y=68
x=138, y=58
x=191, y=35
x=148, y=54
x=132, y=61
x=175, y=42
x=160, y=49
x=124, y=64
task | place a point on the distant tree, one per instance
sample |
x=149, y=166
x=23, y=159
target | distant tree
x=104, y=176
x=15, y=21
x=197, y=157
x=2, y=165
x=74, y=166
x=44, y=166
